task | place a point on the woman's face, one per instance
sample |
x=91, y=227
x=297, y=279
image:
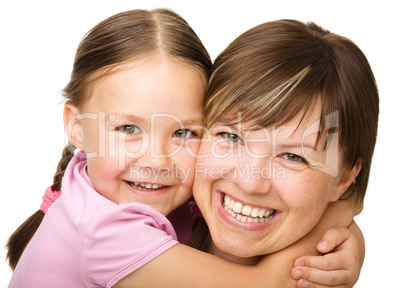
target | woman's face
x=261, y=190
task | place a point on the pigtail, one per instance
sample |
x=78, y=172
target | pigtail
x=20, y=238
x=67, y=155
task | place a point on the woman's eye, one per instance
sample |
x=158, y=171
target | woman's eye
x=183, y=133
x=293, y=157
x=129, y=129
x=231, y=137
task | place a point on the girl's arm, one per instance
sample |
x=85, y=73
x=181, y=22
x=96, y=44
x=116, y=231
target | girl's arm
x=182, y=266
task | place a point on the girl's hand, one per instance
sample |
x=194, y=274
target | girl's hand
x=344, y=251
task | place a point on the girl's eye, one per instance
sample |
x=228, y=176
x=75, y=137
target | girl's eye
x=293, y=157
x=183, y=133
x=129, y=129
x=231, y=137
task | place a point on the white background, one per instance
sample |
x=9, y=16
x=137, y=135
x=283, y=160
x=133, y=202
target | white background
x=37, y=45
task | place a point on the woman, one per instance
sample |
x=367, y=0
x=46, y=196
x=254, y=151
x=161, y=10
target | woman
x=292, y=114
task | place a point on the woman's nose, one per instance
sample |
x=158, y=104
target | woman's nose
x=252, y=175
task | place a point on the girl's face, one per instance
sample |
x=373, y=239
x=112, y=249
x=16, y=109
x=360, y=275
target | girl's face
x=261, y=190
x=141, y=131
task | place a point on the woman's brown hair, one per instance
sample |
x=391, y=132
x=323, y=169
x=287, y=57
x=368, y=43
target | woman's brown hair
x=276, y=70
x=117, y=40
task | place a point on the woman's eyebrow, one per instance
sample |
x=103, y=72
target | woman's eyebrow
x=298, y=145
x=236, y=126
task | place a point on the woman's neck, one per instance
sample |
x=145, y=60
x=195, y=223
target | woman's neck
x=250, y=261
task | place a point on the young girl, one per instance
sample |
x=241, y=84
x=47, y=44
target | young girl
x=134, y=109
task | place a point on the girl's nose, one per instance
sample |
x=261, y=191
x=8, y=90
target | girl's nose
x=156, y=156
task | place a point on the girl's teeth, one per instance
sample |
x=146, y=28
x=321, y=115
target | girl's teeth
x=143, y=186
x=241, y=211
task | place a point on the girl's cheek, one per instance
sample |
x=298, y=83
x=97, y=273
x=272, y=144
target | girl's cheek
x=185, y=165
x=192, y=149
x=204, y=149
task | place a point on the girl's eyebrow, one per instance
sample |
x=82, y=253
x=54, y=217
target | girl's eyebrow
x=112, y=117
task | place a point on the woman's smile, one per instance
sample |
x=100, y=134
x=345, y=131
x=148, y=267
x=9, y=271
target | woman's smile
x=245, y=212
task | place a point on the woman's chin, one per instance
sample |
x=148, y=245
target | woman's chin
x=235, y=251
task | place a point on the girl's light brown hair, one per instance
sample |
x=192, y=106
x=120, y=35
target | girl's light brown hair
x=276, y=70
x=124, y=37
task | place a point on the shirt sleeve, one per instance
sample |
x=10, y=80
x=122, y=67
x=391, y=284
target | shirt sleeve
x=120, y=241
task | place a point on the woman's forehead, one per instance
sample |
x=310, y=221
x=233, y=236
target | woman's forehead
x=309, y=126
x=307, y=118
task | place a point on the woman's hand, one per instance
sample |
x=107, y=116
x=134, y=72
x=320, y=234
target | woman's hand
x=344, y=251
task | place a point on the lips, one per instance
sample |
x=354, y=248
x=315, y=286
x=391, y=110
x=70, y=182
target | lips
x=245, y=213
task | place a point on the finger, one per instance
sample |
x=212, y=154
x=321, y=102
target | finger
x=320, y=277
x=327, y=262
x=333, y=238
x=307, y=284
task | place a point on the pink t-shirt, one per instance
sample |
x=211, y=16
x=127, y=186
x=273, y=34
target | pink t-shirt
x=85, y=240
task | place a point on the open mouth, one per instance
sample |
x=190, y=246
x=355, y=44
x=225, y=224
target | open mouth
x=246, y=213
x=146, y=186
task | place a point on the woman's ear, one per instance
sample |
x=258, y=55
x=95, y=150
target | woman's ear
x=347, y=178
x=72, y=125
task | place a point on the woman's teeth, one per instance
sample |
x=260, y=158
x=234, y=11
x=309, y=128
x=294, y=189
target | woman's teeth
x=145, y=186
x=245, y=213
